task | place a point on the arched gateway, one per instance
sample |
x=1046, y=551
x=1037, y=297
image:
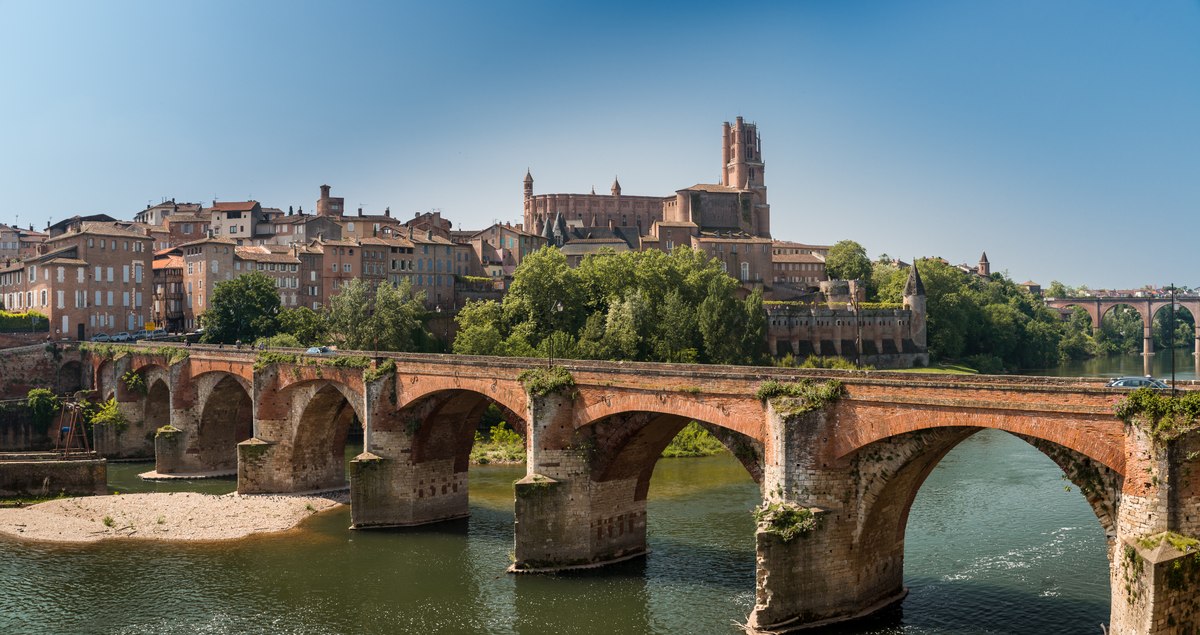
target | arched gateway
x=854, y=463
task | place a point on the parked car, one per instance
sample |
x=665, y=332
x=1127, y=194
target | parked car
x=1138, y=382
x=101, y=337
x=140, y=335
x=123, y=336
x=318, y=350
x=156, y=333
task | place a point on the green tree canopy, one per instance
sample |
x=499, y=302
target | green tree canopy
x=309, y=327
x=847, y=260
x=632, y=305
x=244, y=308
x=388, y=317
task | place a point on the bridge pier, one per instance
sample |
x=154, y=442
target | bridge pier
x=838, y=569
x=565, y=519
x=1155, y=567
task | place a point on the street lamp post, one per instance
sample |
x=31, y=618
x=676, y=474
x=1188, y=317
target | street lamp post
x=557, y=308
x=1171, y=337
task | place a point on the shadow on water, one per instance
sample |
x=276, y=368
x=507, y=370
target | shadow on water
x=1008, y=610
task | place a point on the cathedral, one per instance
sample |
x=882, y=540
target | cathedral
x=729, y=221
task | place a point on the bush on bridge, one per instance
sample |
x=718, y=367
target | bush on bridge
x=1166, y=418
x=786, y=520
x=539, y=382
x=793, y=398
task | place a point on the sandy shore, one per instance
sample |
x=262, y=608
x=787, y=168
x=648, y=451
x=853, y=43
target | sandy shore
x=163, y=516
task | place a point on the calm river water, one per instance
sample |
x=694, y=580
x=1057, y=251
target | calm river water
x=995, y=544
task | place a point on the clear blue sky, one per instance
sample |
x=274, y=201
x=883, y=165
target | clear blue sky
x=1062, y=137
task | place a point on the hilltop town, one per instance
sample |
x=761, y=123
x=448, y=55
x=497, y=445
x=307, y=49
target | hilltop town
x=99, y=275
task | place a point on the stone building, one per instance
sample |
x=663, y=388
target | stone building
x=93, y=278
x=729, y=221
x=205, y=263
x=884, y=338
x=18, y=243
x=238, y=220
x=166, y=309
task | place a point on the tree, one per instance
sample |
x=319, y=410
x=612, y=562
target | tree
x=721, y=323
x=754, y=335
x=847, y=260
x=479, y=329
x=306, y=325
x=244, y=308
x=386, y=318
x=43, y=405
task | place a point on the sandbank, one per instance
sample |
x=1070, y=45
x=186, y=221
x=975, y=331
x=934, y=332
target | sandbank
x=182, y=516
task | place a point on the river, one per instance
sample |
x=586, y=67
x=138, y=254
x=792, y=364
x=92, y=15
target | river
x=997, y=542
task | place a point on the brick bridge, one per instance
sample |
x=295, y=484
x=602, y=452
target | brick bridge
x=858, y=462
x=1097, y=308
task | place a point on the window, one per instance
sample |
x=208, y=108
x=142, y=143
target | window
x=60, y=274
x=350, y=227
x=91, y=242
x=346, y=267
x=61, y=299
x=125, y=299
x=213, y=264
x=110, y=298
x=745, y=272
x=125, y=273
x=79, y=274
x=110, y=274
x=98, y=299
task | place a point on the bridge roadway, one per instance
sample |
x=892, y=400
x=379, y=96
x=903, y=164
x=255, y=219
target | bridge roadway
x=856, y=463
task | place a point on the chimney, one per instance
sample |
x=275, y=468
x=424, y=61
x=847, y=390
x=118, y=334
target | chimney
x=360, y=211
x=387, y=211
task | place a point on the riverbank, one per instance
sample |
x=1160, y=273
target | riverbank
x=177, y=516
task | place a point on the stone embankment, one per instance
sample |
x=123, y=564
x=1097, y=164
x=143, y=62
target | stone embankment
x=180, y=516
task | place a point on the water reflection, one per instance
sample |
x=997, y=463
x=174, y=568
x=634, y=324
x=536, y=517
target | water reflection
x=993, y=544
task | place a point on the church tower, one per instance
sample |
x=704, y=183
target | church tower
x=985, y=267
x=742, y=168
x=741, y=153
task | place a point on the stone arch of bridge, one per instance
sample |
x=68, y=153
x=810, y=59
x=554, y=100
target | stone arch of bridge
x=741, y=416
x=318, y=438
x=628, y=444
x=1143, y=310
x=1092, y=309
x=69, y=378
x=226, y=418
x=509, y=395
x=1100, y=438
x=892, y=471
x=443, y=424
x=104, y=380
x=156, y=407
